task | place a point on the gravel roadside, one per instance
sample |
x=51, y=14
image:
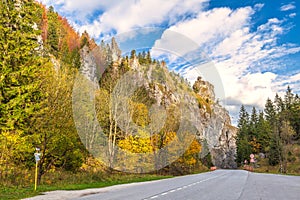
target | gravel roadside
x=72, y=194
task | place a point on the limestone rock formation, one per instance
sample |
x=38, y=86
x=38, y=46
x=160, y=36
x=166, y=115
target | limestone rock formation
x=218, y=132
x=221, y=135
x=204, y=88
x=115, y=50
x=212, y=121
x=88, y=64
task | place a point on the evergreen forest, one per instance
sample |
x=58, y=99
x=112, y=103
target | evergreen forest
x=272, y=134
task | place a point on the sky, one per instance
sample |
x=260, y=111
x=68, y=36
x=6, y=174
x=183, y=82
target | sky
x=250, y=49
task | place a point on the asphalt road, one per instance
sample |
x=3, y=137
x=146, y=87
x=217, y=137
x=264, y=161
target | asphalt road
x=219, y=184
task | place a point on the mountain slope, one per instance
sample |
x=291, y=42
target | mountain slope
x=153, y=81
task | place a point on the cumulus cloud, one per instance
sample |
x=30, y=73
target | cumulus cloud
x=213, y=24
x=245, y=58
x=287, y=7
x=127, y=15
x=79, y=10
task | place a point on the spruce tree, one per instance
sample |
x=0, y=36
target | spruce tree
x=295, y=117
x=20, y=65
x=279, y=104
x=270, y=112
x=253, y=124
x=243, y=146
x=263, y=133
x=288, y=98
x=53, y=32
x=275, y=143
x=21, y=69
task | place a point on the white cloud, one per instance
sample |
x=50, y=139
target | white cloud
x=127, y=15
x=79, y=9
x=242, y=55
x=287, y=7
x=89, y=5
x=248, y=54
x=295, y=78
x=213, y=24
x=259, y=6
x=293, y=81
x=251, y=89
x=292, y=15
x=182, y=46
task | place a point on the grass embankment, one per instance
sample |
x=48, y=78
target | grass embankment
x=70, y=181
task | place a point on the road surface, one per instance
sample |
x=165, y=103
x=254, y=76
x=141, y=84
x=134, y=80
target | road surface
x=216, y=185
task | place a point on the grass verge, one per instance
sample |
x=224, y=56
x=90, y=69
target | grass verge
x=69, y=183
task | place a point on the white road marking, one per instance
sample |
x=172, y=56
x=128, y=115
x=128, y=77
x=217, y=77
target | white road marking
x=183, y=187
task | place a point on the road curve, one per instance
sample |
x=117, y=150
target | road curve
x=216, y=185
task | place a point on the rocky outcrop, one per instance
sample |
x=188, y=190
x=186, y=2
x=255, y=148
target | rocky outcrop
x=220, y=135
x=204, y=88
x=134, y=63
x=115, y=51
x=218, y=132
x=212, y=121
x=88, y=64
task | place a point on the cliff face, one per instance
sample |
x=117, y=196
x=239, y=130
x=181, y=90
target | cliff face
x=218, y=131
x=220, y=135
x=88, y=64
x=212, y=121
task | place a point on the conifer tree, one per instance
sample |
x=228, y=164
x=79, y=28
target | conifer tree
x=263, y=133
x=295, y=117
x=270, y=112
x=243, y=146
x=20, y=65
x=20, y=70
x=253, y=132
x=279, y=104
x=253, y=123
x=288, y=98
x=53, y=34
x=275, y=144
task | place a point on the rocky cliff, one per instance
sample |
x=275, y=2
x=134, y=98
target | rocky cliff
x=211, y=121
x=218, y=131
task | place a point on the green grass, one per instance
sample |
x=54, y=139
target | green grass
x=16, y=193
x=69, y=183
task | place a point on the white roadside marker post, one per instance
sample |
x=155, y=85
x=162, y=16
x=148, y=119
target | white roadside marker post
x=37, y=159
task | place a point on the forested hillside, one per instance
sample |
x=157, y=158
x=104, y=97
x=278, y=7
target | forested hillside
x=39, y=58
x=274, y=133
x=143, y=118
x=181, y=128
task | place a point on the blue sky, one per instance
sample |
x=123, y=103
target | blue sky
x=249, y=49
